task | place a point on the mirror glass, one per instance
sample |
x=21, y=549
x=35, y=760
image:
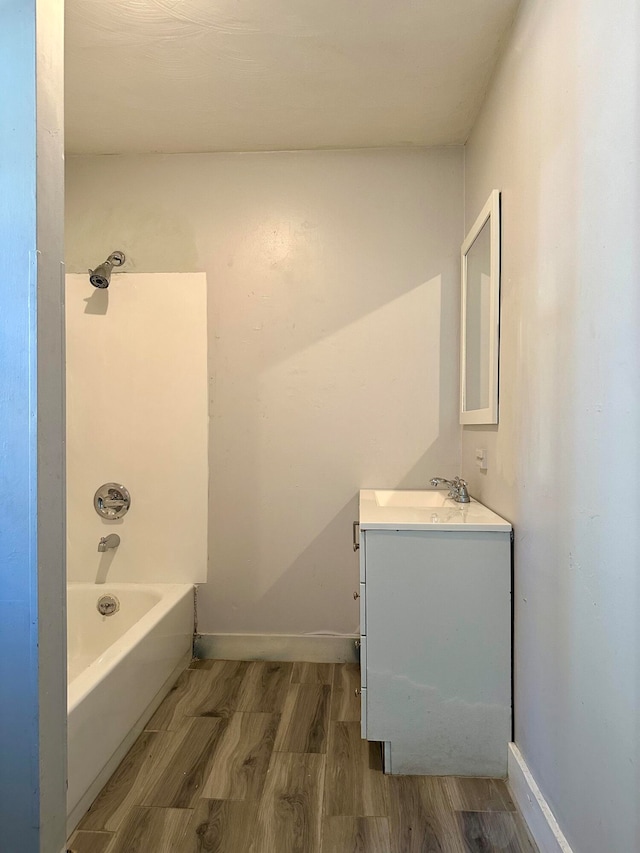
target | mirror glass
x=480, y=313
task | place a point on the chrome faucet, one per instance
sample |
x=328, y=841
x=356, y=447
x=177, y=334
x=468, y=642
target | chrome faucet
x=108, y=542
x=457, y=488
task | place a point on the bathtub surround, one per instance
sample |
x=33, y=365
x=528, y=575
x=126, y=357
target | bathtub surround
x=560, y=135
x=32, y=602
x=137, y=413
x=333, y=339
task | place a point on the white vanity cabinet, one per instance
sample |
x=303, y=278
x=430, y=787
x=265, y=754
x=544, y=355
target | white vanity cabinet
x=435, y=611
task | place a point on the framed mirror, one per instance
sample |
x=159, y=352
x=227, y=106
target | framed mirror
x=479, y=339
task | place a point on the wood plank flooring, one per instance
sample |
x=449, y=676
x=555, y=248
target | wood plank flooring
x=264, y=757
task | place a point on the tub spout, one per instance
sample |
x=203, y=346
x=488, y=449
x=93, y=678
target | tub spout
x=107, y=542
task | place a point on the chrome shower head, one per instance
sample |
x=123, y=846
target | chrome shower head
x=101, y=275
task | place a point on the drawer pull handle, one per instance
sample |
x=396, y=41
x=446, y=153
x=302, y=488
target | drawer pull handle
x=356, y=544
x=356, y=596
x=357, y=643
x=357, y=691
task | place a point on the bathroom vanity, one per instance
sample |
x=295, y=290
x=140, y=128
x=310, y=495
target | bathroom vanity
x=435, y=616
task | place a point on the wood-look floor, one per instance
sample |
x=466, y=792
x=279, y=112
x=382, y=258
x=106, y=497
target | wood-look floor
x=266, y=757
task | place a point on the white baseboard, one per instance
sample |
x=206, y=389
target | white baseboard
x=539, y=818
x=74, y=818
x=288, y=647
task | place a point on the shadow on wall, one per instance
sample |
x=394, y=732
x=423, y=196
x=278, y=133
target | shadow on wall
x=311, y=577
x=327, y=598
x=348, y=411
x=424, y=469
x=327, y=400
x=97, y=303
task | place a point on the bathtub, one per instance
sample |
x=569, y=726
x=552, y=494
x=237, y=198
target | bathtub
x=120, y=667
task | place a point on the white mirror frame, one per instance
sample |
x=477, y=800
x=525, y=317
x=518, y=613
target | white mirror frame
x=490, y=212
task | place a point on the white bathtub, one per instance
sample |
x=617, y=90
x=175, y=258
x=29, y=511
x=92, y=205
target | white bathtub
x=120, y=667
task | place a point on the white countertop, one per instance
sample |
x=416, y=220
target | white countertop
x=424, y=510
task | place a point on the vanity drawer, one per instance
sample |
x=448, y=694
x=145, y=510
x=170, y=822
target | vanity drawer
x=363, y=609
x=363, y=661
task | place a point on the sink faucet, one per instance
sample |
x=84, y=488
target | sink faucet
x=107, y=542
x=457, y=488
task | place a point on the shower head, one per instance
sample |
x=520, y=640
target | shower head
x=101, y=275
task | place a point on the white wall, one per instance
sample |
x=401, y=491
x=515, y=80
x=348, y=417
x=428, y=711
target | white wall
x=137, y=414
x=333, y=315
x=560, y=135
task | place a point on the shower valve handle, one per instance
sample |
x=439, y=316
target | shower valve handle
x=115, y=499
x=112, y=501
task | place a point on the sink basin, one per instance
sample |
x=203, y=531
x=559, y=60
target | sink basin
x=422, y=509
x=413, y=499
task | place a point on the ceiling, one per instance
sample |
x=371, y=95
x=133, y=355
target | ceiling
x=256, y=75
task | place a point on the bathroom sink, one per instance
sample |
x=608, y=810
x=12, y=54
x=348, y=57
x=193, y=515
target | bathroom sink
x=424, y=509
x=413, y=499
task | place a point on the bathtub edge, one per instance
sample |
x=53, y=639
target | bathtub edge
x=78, y=812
